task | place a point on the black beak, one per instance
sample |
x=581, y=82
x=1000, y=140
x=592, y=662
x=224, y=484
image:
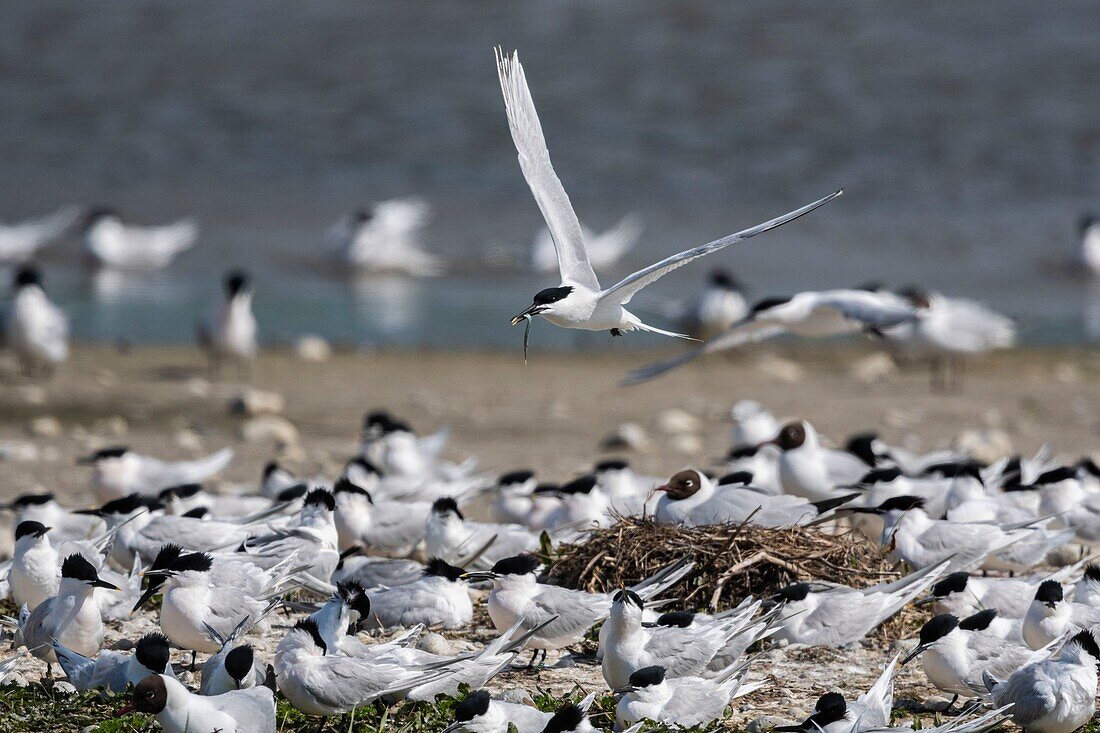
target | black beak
x=624, y=690
x=925, y=601
x=89, y=512
x=534, y=310
x=912, y=655
x=97, y=583
x=155, y=583
x=42, y=531
x=479, y=575
x=1050, y=604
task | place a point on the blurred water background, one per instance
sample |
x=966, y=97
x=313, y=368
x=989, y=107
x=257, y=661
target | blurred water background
x=967, y=135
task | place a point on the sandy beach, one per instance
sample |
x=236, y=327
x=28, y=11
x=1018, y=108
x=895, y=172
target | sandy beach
x=550, y=415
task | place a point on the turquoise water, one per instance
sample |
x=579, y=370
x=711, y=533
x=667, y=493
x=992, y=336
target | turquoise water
x=968, y=142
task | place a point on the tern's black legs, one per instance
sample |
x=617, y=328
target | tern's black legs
x=616, y=332
x=531, y=666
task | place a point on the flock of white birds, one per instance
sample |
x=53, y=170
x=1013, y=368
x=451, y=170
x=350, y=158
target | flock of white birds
x=401, y=538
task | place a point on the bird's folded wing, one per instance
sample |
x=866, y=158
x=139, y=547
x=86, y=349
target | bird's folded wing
x=534, y=161
x=870, y=309
x=576, y=612
x=625, y=289
x=253, y=709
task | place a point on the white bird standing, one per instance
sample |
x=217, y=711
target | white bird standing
x=1050, y=616
x=180, y=711
x=386, y=239
x=119, y=471
x=812, y=314
x=120, y=246
x=22, y=241
x=1090, y=244
x=604, y=249
x=36, y=330
x=717, y=306
x=229, y=332
x=72, y=617
x=579, y=302
x=1057, y=695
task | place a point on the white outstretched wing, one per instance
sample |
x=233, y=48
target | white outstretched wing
x=624, y=290
x=534, y=161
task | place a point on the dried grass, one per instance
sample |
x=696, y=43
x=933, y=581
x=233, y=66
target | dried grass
x=732, y=561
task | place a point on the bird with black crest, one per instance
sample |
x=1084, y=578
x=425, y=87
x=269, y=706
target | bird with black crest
x=228, y=333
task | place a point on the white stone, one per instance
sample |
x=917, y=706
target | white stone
x=313, y=348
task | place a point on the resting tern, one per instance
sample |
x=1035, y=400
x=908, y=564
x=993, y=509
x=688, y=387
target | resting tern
x=1087, y=589
x=275, y=480
x=876, y=453
x=36, y=563
x=319, y=683
x=870, y=711
x=579, y=302
x=72, y=617
x=963, y=595
x=479, y=713
x=516, y=502
x=371, y=572
x=1057, y=695
x=695, y=650
x=679, y=701
x=388, y=528
x=397, y=451
x=121, y=246
x=20, y=242
x=126, y=517
x=234, y=666
x=119, y=471
x=113, y=670
x=604, y=248
x=1050, y=616
x=835, y=615
x=440, y=598
x=448, y=535
x=956, y=654
x=386, y=239
x=691, y=499
x=718, y=305
x=518, y=595
x=584, y=505
x=809, y=314
x=181, y=711
x=35, y=329
x=182, y=499
x=43, y=508
x=310, y=540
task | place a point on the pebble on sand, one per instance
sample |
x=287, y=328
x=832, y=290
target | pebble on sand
x=312, y=348
x=44, y=427
x=269, y=429
x=255, y=402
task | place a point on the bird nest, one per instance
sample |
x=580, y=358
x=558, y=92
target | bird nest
x=732, y=561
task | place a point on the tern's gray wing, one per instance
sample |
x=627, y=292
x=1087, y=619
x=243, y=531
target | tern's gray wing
x=694, y=702
x=253, y=709
x=684, y=652
x=576, y=612
x=622, y=291
x=534, y=161
x=843, y=615
x=344, y=683
x=1033, y=693
x=871, y=309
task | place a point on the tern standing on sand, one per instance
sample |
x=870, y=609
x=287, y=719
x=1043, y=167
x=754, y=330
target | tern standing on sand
x=579, y=302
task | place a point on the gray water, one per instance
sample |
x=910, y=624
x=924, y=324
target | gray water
x=966, y=134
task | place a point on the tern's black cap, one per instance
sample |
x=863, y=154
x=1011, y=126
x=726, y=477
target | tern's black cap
x=953, y=583
x=78, y=568
x=238, y=662
x=24, y=500
x=152, y=652
x=647, y=676
x=793, y=592
x=320, y=497
x=516, y=565
x=1087, y=642
x=355, y=596
x=680, y=619
x=475, y=704
x=26, y=276
x=567, y=718
x=446, y=504
x=582, y=485
x=881, y=475
x=901, y=503
x=441, y=569
x=628, y=596
x=937, y=628
x=516, y=477
x=979, y=621
x=737, y=478
x=613, y=464
x=1050, y=591
x=30, y=528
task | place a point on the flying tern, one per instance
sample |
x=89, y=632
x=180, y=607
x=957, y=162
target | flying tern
x=579, y=302
x=20, y=242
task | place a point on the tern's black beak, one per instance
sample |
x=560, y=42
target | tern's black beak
x=89, y=512
x=624, y=690
x=97, y=583
x=920, y=602
x=156, y=580
x=912, y=655
x=534, y=310
x=479, y=575
x=1050, y=604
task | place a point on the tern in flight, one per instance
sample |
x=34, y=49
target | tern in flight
x=579, y=302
